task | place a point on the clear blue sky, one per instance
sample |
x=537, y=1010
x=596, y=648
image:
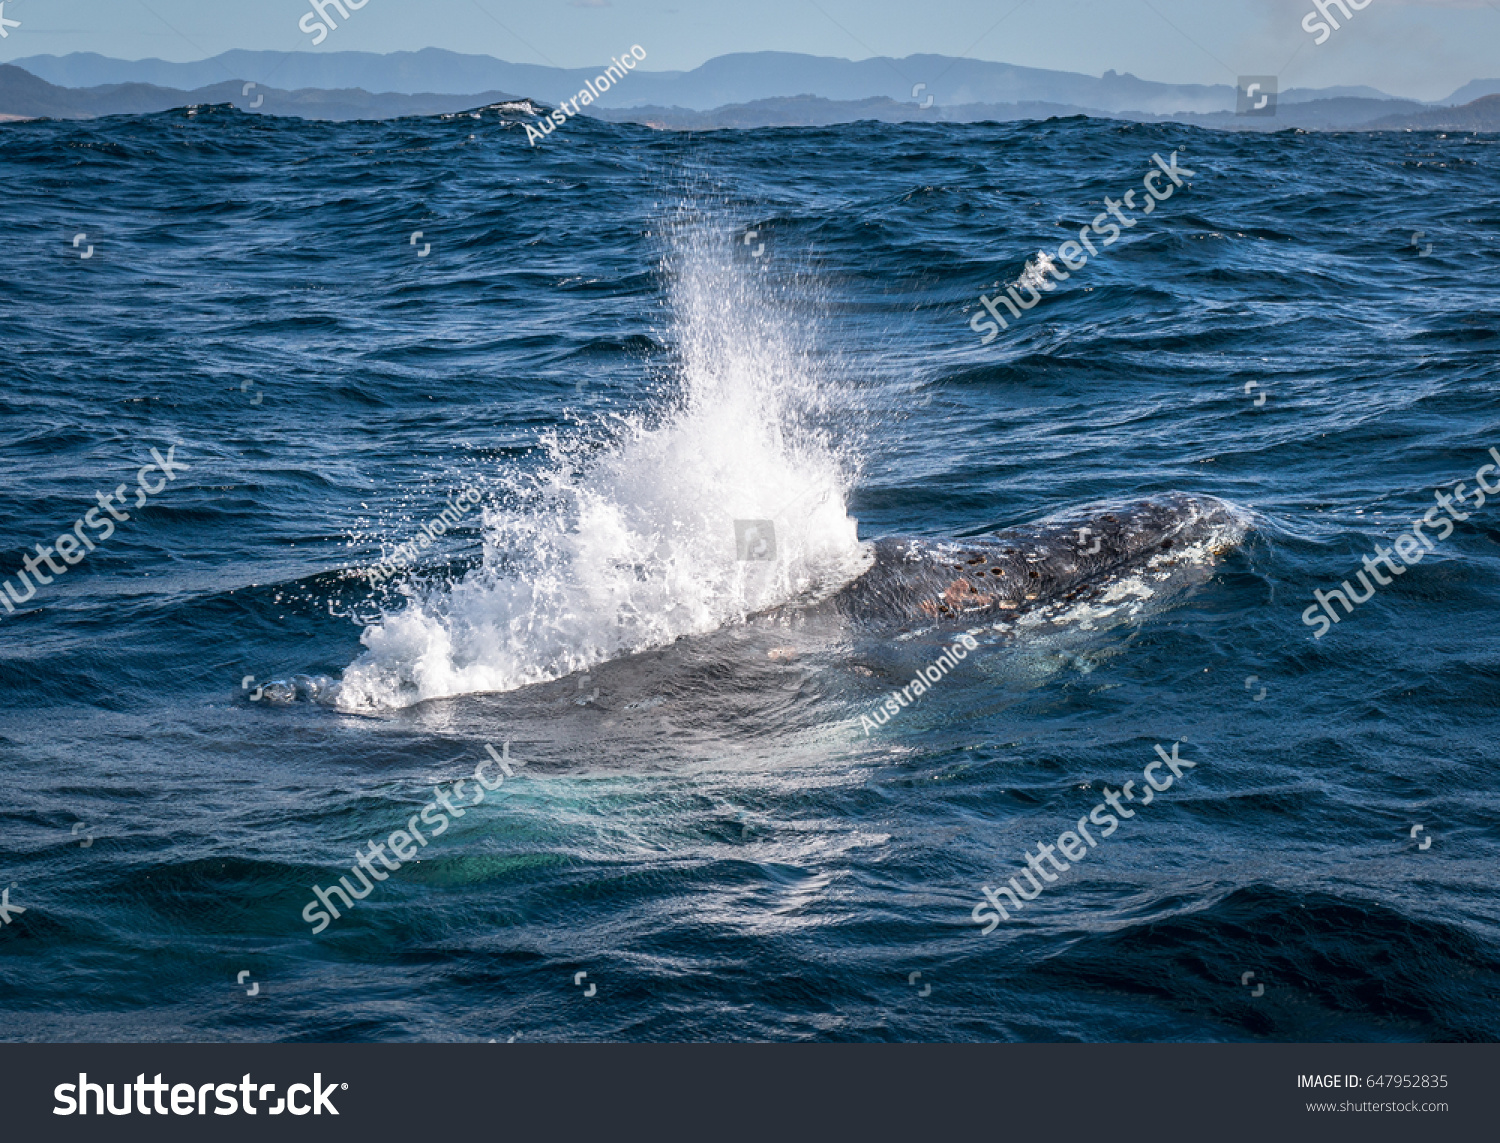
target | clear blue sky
x=1420, y=48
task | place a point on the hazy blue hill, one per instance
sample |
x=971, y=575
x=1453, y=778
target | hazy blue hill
x=90, y=69
x=1474, y=89
x=23, y=94
x=1479, y=115
x=1308, y=94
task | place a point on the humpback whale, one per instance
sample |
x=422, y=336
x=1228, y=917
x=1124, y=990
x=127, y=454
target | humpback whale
x=1073, y=555
x=1077, y=571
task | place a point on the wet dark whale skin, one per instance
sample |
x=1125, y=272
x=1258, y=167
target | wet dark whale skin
x=1058, y=559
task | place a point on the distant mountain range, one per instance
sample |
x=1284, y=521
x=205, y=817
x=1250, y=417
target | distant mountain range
x=738, y=78
x=740, y=90
x=24, y=96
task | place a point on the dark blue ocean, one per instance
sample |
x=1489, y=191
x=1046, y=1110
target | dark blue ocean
x=621, y=342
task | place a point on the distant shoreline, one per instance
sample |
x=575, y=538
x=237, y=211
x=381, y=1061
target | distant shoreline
x=740, y=90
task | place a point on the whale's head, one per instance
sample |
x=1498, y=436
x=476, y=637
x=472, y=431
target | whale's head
x=1073, y=555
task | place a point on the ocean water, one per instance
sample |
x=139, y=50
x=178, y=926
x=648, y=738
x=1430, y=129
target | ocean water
x=623, y=342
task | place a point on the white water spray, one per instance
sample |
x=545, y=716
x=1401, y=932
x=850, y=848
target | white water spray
x=598, y=553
